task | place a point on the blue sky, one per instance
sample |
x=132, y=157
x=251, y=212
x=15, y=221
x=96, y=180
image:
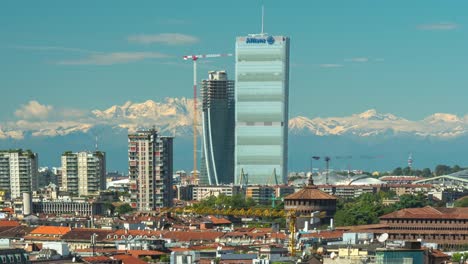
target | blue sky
x=404, y=57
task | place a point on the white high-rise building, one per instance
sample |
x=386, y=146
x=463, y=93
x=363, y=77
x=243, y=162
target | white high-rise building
x=83, y=173
x=261, y=109
x=18, y=172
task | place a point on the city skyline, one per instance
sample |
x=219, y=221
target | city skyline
x=361, y=57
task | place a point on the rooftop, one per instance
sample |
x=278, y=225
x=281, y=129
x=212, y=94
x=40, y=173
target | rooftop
x=429, y=212
x=309, y=193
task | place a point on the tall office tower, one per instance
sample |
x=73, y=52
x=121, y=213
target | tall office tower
x=18, y=172
x=150, y=170
x=217, y=161
x=83, y=173
x=261, y=120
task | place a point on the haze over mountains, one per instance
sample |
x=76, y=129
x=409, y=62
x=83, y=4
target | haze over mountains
x=374, y=140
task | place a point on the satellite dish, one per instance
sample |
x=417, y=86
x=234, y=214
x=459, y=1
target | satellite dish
x=383, y=237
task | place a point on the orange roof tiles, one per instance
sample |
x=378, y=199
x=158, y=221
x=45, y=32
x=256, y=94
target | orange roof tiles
x=51, y=230
x=126, y=259
x=429, y=212
x=335, y=234
x=191, y=236
x=138, y=253
x=97, y=259
x=9, y=223
x=308, y=193
x=362, y=227
x=219, y=220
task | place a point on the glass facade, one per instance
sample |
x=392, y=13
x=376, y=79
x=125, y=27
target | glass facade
x=217, y=162
x=261, y=109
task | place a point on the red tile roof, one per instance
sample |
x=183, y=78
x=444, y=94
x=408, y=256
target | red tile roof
x=79, y=234
x=187, y=236
x=308, y=193
x=126, y=259
x=51, y=230
x=219, y=220
x=9, y=223
x=362, y=227
x=429, y=212
x=97, y=259
x=335, y=234
x=138, y=253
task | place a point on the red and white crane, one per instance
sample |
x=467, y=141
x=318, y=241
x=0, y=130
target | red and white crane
x=194, y=58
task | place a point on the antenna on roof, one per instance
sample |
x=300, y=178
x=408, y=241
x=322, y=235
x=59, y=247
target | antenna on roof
x=263, y=16
x=96, y=143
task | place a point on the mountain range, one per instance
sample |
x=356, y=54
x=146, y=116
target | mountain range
x=362, y=134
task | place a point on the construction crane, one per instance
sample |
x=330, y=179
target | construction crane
x=195, y=58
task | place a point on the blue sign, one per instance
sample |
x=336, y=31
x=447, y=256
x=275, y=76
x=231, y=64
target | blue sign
x=270, y=40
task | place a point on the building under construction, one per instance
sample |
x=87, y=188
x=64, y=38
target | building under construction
x=217, y=161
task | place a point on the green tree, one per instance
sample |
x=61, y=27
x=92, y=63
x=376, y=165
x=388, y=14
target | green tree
x=165, y=258
x=462, y=202
x=123, y=208
x=398, y=171
x=426, y=172
x=442, y=170
x=407, y=171
x=456, y=168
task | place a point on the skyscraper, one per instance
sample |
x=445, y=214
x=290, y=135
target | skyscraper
x=261, y=119
x=83, y=173
x=150, y=161
x=217, y=162
x=18, y=172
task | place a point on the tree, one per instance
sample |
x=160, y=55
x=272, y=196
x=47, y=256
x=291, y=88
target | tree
x=407, y=171
x=442, y=170
x=462, y=202
x=456, y=168
x=398, y=171
x=123, y=208
x=426, y=173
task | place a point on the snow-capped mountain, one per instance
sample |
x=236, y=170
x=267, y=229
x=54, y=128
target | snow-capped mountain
x=174, y=116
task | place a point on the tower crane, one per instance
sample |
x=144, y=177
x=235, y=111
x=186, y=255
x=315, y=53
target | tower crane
x=195, y=58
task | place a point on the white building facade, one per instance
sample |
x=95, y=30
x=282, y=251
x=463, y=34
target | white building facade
x=18, y=172
x=83, y=173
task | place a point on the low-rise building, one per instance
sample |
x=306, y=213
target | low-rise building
x=204, y=191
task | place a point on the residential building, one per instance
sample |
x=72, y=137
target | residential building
x=261, y=108
x=150, y=158
x=217, y=161
x=203, y=192
x=18, y=172
x=83, y=173
x=261, y=194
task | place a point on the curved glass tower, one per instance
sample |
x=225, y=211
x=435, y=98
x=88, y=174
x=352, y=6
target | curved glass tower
x=261, y=118
x=217, y=161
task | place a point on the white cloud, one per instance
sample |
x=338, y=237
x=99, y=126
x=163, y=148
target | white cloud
x=331, y=65
x=358, y=59
x=54, y=48
x=165, y=38
x=439, y=26
x=113, y=58
x=34, y=110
